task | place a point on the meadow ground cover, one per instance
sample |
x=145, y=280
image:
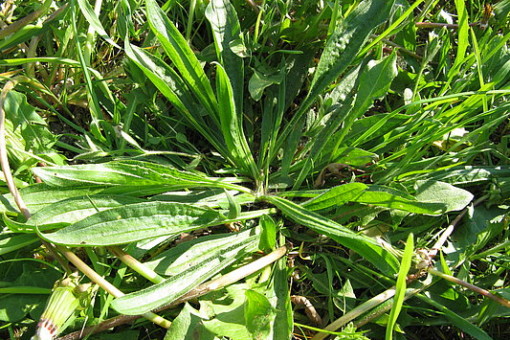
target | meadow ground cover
x=254, y=169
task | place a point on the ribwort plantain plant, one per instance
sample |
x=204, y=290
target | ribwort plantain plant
x=200, y=162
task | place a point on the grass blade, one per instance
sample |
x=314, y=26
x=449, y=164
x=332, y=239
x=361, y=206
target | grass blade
x=400, y=286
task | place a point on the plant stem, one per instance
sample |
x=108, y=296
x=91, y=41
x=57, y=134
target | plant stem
x=136, y=265
x=470, y=286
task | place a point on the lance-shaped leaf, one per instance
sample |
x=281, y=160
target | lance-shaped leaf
x=336, y=196
x=74, y=209
x=363, y=245
x=227, y=34
x=129, y=173
x=231, y=126
x=135, y=222
x=182, y=56
x=377, y=195
x=190, y=254
x=199, y=269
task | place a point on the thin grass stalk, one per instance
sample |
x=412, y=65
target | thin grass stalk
x=476, y=289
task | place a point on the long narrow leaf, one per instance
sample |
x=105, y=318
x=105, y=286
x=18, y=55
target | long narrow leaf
x=182, y=57
x=363, y=245
x=174, y=89
x=129, y=173
x=401, y=286
x=227, y=36
x=231, y=126
x=135, y=222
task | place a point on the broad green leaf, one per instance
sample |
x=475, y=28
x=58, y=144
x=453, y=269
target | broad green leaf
x=14, y=307
x=363, y=245
x=226, y=313
x=191, y=253
x=94, y=21
x=33, y=128
x=481, y=226
x=268, y=235
x=129, y=173
x=227, y=32
x=231, y=126
x=374, y=195
x=188, y=326
x=182, y=56
x=135, y=222
x=453, y=198
x=74, y=209
x=401, y=286
x=258, y=314
x=201, y=268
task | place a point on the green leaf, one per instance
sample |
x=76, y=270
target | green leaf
x=189, y=254
x=279, y=295
x=94, y=21
x=375, y=195
x=453, y=198
x=400, y=291
x=193, y=271
x=336, y=196
x=374, y=83
x=457, y=320
x=182, y=56
x=175, y=90
x=13, y=242
x=342, y=48
x=231, y=126
x=41, y=195
x=135, y=222
x=393, y=199
x=363, y=245
x=268, y=237
x=258, y=314
x=228, y=313
x=130, y=174
x=74, y=209
x=188, y=326
x=227, y=33
x=33, y=128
